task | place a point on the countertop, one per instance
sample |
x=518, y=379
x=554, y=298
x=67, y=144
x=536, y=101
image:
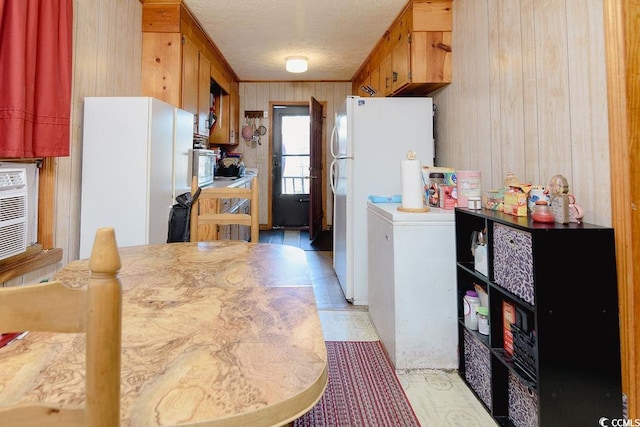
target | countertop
x=390, y=212
x=225, y=333
x=229, y=181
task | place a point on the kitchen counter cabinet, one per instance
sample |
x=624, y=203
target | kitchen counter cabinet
x=412, y=286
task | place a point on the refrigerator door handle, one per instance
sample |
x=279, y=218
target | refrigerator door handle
x=333, y=139
x=332, y=176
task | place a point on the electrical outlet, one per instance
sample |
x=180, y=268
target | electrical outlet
x=265, y=114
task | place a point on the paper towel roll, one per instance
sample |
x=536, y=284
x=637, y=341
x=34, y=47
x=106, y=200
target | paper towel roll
x=412, y=187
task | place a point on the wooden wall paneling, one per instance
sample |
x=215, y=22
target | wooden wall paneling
x=479, y=54
x=105, y=36
x=499, y=166
x=531, y=139
x=509, y=55
x=128, y=76
x=633, y=110
x=591, y=170
x=622, y=39
x=104, y=65
x=553, y=97
x=462, y=99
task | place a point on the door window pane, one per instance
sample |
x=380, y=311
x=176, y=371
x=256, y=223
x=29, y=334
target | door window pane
x=295, y=154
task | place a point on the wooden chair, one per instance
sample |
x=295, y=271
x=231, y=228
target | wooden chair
x=206, y=215
x=96, y=311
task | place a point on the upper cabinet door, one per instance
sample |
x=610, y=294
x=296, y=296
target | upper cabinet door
x=401, y=59
x=204, y=94
x=189, y=77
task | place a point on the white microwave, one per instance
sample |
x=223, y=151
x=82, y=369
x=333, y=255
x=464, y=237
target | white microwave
x=203, y=166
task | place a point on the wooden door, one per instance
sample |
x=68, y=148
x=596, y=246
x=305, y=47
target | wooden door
x=401, y=60
x=375, y=81
x=386, y=78
x=204, y=93
x=189, y=77
x=315, y=168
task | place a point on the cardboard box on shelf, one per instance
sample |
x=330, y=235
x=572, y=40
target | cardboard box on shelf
x=515, y=199
x=508, y=317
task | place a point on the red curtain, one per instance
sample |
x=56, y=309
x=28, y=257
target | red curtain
x=35, y=77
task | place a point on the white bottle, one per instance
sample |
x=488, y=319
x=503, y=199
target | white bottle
x=471, y=302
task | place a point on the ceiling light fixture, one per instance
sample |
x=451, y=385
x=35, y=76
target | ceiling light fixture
x=296, y=64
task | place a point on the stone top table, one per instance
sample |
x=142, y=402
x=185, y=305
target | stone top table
x=222, y=333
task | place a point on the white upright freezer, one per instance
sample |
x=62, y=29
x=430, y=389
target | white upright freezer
x=135, y=161
x=371, y=136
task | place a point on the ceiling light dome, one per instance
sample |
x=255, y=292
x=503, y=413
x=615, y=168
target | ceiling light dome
x=296, y=64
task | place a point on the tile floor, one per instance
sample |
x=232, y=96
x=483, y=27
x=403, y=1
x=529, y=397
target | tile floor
x=439, y=398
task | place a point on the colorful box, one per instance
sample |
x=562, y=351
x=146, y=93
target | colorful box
x=515, y=199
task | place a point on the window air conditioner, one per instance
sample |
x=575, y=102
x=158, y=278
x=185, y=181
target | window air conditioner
x=13, y=211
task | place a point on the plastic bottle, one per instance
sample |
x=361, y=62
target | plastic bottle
x=436, y=180
x=471, y=302
x=483, y=320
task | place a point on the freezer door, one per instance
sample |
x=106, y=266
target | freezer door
x=182, y=144
x=339, y=136
x=342, y=261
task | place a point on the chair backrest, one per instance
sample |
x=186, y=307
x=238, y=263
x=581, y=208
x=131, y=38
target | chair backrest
x=95, y=310
x=208, y=211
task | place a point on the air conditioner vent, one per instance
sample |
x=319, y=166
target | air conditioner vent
x=13, y=211
x=12, y=179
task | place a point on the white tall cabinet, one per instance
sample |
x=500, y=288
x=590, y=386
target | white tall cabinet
x=412, y=285
x=135, y=160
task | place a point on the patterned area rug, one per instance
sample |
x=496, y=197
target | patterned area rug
x=363, y=390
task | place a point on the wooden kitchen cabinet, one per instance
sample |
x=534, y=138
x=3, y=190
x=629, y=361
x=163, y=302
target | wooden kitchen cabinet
x=182, y=66
x=414, y=55
x=195, y=85
x=401, y=63
x=374, y=80
x=204, y=94
x=190, y=79
x=386, y=76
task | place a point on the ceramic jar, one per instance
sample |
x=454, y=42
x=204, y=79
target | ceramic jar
x=542, y=212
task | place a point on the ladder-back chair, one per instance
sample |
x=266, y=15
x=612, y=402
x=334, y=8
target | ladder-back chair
x=208, y=215
x=96, y=311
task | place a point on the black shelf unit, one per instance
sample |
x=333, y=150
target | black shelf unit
x=561, y=279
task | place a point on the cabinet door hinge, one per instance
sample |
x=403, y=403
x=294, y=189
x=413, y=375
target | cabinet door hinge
x=183, y=40
x=409, y=38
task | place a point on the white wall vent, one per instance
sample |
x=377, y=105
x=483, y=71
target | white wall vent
x=13, y=211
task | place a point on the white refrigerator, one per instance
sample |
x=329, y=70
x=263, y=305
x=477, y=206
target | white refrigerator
x=135, y=161
x=371, y=136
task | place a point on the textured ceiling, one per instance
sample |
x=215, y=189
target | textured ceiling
x=256, y=36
